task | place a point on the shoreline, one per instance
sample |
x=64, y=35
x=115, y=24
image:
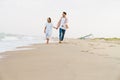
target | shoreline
x=17, y=46
x=67, y=41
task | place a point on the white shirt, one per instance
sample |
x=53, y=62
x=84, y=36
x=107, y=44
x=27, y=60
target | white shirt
x=63, y=23
x=49, y=27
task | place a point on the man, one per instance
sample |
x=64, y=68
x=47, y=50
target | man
x=62, y=25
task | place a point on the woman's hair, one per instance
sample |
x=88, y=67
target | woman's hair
x=49, y=20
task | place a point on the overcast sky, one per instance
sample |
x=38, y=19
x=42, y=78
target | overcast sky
x=99, y=17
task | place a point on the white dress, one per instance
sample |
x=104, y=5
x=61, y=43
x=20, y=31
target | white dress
x=49, y=27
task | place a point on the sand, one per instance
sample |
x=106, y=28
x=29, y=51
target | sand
x=72, y=60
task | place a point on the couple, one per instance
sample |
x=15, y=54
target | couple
x=62, y=25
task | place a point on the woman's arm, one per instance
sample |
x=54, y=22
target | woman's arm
x=54, y=27
x=45, y=29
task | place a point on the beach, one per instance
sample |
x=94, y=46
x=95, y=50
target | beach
x=74, y=59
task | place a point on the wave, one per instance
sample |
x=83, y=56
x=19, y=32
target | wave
x=16, y=37
x=8, y=37
x=11, y=41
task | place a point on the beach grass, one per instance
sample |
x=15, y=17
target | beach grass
x=108, y=39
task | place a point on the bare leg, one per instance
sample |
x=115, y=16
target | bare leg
x=47, y=41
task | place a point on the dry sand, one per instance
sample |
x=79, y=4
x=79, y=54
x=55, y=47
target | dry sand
x=72, y=60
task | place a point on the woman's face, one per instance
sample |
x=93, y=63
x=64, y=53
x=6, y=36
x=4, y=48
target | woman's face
x=48, y=20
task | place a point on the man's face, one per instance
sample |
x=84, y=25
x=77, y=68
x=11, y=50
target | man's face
x=63, y=15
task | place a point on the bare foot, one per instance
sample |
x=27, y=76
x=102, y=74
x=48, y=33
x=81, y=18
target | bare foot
x=60, y=42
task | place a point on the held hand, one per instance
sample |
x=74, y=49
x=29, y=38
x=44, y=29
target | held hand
x=55, y=28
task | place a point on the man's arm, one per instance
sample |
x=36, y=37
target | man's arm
x=67, y=26
x=58, y=25
x=66, y=23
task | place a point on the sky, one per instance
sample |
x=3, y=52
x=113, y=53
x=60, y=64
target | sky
x=98, y=17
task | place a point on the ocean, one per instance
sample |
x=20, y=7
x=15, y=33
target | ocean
x=10, y=42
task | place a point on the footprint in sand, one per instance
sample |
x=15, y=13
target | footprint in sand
x=112, y=46
x=98, y=48
x=92, y=53
x=103, y=55
x=91, y=44
x=85, y=51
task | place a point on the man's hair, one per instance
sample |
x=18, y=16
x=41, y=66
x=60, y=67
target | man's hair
x=65, y=13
